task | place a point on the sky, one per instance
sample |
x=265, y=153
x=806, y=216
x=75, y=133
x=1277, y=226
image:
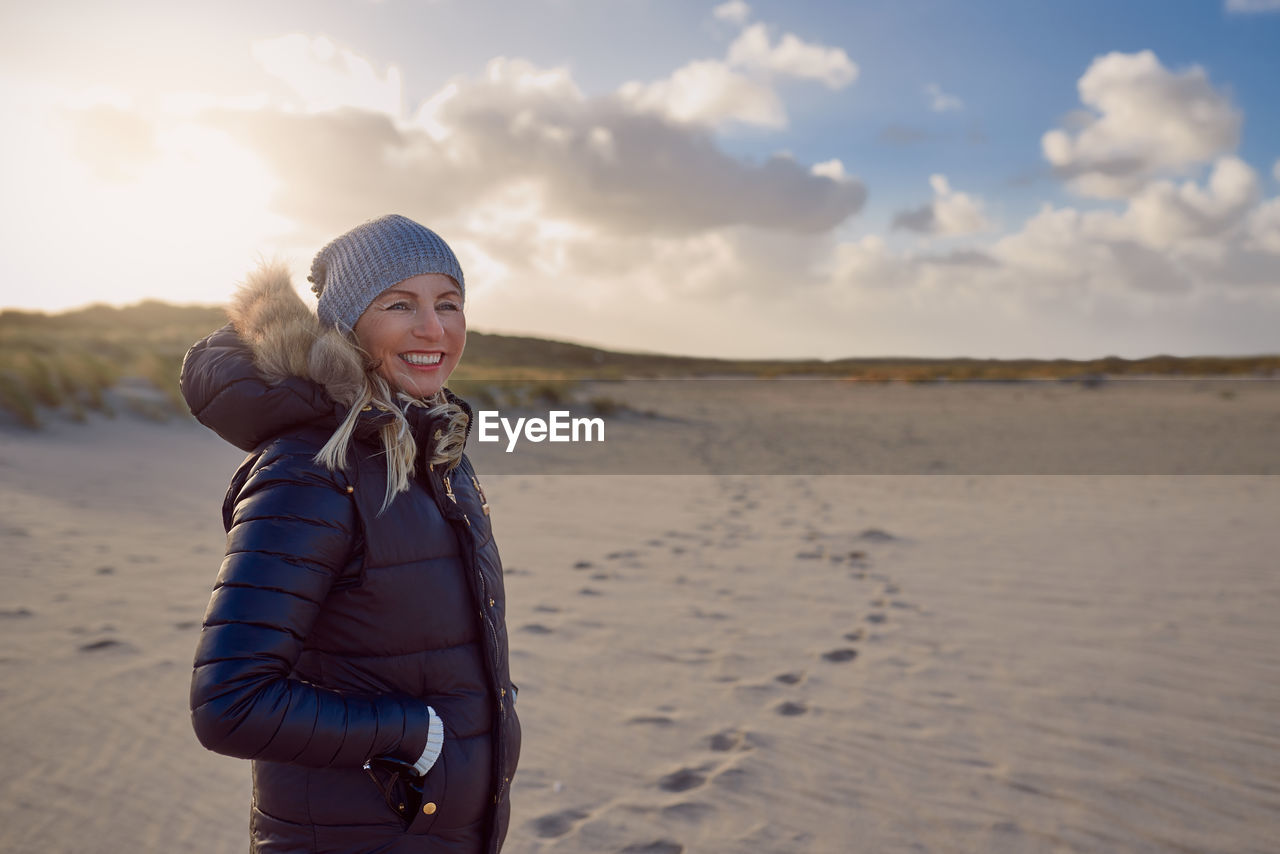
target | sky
x=988, y=178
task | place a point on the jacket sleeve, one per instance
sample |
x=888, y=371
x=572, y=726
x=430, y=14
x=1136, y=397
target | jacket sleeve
x=288, y=536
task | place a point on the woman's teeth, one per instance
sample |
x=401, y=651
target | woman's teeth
x=421, y=358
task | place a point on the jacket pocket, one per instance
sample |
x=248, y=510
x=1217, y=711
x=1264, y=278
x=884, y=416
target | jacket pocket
x=430, y=801
x=411, y=800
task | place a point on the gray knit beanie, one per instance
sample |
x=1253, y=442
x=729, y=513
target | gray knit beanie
x=354, y=268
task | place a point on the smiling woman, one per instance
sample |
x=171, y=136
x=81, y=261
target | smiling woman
x=355, y=645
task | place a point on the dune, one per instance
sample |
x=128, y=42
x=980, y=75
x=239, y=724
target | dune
x=719, y=661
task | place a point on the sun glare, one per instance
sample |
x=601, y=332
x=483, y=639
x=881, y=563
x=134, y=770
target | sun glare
x=117, y=205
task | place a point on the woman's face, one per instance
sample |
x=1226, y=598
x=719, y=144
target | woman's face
x=415, y=332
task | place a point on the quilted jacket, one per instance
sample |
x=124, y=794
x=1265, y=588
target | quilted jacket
x=333, y=624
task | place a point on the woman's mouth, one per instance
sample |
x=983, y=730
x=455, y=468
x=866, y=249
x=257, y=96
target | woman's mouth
x=422, y=360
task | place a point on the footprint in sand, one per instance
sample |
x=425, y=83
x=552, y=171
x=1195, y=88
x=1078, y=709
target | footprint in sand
x=700, y=614
x=107, y=643
x=661, y=846
x=683, y=780
x=546, y=609
x=791, y=709
x=654, y=720
x=789, y=678
x=840, y=655
x=557, y=823
x=690, y=811
x=855, y=635
x=15, y=612
x=876, y=618
x=729, y=739
x=583, y=564
x=876, y=535
x=536, y=629
x=185, y=624
x=587, y=591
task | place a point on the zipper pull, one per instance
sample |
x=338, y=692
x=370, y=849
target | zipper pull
x=484, y=502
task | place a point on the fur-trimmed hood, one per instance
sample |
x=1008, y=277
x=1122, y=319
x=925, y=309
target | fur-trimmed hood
x=275, y=368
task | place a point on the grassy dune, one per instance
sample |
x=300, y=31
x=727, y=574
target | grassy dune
x=71, y=362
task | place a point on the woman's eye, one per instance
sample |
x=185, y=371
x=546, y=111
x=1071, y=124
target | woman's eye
x=448, y=306
x=399, y=305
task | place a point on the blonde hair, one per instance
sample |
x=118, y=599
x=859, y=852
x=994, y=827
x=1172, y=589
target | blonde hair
x=352, y=379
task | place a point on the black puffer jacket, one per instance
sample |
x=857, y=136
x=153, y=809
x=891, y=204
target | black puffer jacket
x=332, y=626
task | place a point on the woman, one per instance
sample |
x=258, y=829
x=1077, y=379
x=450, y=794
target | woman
x=355, y=645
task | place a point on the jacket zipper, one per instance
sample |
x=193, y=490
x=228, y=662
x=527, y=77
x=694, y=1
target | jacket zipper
x=490, y=628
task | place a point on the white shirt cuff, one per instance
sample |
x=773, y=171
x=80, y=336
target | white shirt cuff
x=435, y=743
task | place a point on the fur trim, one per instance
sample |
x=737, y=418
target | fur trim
x=287, y=337
x=272, y=319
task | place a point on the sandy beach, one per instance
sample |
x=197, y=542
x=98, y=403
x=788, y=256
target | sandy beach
x=971, y=660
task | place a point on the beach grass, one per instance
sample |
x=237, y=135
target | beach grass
x=70, y=362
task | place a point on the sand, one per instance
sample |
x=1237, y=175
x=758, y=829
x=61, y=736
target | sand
x=711, y=662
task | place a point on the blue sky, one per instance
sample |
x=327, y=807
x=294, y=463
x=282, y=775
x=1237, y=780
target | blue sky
x=743, y=179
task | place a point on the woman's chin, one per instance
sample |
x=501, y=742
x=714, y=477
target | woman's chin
x=419, y=387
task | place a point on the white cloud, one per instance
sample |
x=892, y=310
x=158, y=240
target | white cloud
x=603, y=161
x=1250, y=6
x=950, y=213
x=1163, y=213
x=1264, y=228
x=613, y=209
x=1145, y=120
x=1064, y=247
x=1275, y=170
x=1170, y=238
x=833, y=169
x=734, y=11
x=792, y=57
x=941, y=102
x=869, y=263
x=325, y=76
x=740, y=88
x=709, y=92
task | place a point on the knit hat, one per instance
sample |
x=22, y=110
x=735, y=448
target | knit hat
x=349, y=272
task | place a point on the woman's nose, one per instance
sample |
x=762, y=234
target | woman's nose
x=428, y=326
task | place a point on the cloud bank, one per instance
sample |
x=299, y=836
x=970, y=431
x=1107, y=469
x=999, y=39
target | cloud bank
x=621, y=217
